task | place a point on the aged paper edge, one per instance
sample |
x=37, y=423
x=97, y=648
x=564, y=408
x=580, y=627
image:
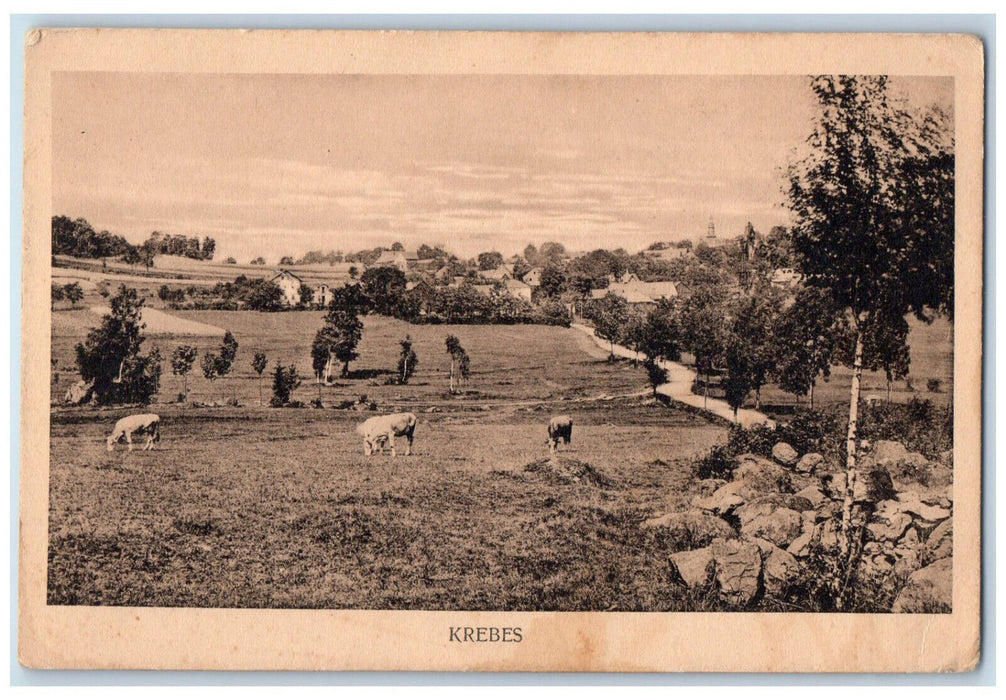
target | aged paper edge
x=184, y=638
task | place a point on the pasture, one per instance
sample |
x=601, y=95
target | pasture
x=261, y=507
x=251, y=506
x=280, y=508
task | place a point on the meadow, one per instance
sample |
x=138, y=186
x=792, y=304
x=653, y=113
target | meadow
x=252, y=506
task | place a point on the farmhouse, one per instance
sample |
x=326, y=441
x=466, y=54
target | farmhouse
x=402, y=259
x=514, y=288
x=533, y=277
x=503, y=272
x=638, y=293
x=290, y=285
x=323, y=296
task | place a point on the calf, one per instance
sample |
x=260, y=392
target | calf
x=380, y=429
x=148, y=424
x=560, y=427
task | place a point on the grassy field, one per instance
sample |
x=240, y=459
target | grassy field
x=280, y=508
x=260, y=507
x=509, y=363
x=257, y=507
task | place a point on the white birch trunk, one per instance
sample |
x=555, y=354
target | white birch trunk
x=852, y=442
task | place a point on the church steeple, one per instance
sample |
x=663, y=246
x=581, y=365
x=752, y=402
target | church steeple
x=711, y=231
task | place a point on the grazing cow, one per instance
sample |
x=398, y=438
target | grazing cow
x=148, y=424
x=559, y=427
x=379, y=430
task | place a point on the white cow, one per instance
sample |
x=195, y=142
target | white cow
x=378, y=430
x=148, y=424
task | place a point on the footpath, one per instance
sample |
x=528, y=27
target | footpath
x=679, y=386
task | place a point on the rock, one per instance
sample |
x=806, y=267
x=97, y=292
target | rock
x=892, y=529
x=809, y=462
x=779, y=569
x=781, y=526
x=940, y=474
x=813, y=495
x=707, y=487
x=801, y=546
x=829, y=510
x=909, y=502
x=724, y=500
x=830, y=531
x=762, y=475
x=784, y=454
x=929, y=590
x=695, y=566
x=833, y=485
x=694, y=526
x=947, y=457
x=765, y=505
x=78, y=393
x=872, y=485
x=912, y=470
x=738, y=569
x=888, y=451
x=910, y=538
x=940, y=544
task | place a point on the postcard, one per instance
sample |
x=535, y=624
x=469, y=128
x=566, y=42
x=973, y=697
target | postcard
x=491, y=351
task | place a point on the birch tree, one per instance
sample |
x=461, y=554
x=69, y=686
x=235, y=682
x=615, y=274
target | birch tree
x=872, y=202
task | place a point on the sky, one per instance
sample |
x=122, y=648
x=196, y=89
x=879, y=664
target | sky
x=274, y=165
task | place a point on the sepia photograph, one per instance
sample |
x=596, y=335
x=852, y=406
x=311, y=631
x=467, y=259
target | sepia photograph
x=502, y=342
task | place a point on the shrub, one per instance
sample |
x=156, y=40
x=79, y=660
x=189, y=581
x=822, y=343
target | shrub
x=808, y=431
x=553, y=312
x=110, y=355
x=934, y=385
x=758, y=439
x=919, y=425
x=285, y=380
x=718, y=463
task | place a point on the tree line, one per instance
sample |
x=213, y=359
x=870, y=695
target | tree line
x=77, y=238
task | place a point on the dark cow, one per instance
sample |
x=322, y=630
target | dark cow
x=560, y=427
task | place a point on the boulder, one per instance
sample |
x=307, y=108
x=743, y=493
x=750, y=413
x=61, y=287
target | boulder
x=872, y=485
x=830, y=533
x=724, y=500
x=781, y=526
x=833, y=485
x=693, y=526
x=738, y=570
x=910, y=502
x=707, y=487
x=809, y=463
x=779, y=569
x=765, y=505
x=828, y=510
x=929, y=590
x=79, y=392
x=888, y=451
x=813, y=495
x=889, y=529
x=784, y=454
x=762, y=475
x=695, y=566
x=940, y=544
